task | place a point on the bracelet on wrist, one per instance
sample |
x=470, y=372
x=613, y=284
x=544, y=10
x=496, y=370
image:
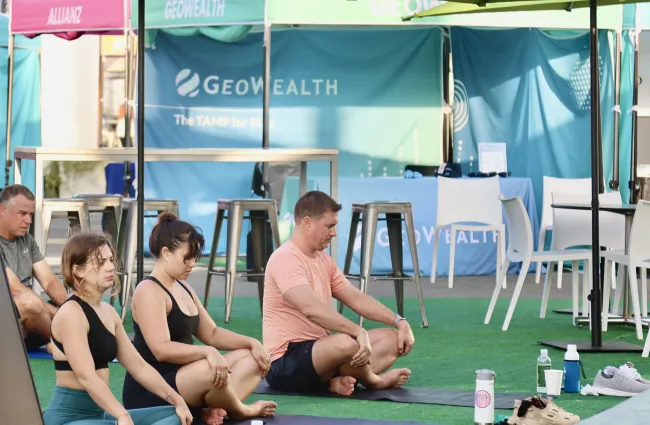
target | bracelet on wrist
x=117, y=419
x=168, y=394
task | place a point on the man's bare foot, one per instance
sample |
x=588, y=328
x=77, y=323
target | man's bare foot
x=213, y=416
x=392, y=379
x=258, y=409
x=343, y=385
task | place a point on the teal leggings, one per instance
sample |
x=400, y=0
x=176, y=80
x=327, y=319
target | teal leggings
x=76, y=407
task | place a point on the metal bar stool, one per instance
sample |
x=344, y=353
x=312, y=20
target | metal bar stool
x=73, y=210
x=259, y=210
x=111, y=208
x=128, y=240
x=395, y=212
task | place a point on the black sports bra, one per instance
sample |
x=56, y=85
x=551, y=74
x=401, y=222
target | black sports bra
x=102, y=343
x=182, y=328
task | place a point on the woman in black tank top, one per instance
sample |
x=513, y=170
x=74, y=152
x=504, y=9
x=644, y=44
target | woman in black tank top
x=88, y=334
x=167, y=316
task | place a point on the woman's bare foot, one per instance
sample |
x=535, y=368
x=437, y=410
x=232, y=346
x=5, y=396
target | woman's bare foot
x=48, y=347
x=343, y=385
x=213, y=416
x=258, y=409
x=392, y=379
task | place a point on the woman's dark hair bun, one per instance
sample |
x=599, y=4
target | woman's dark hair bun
x=166, y=216
x=171, y=232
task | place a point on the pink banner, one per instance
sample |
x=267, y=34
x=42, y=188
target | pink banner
x=57, y=16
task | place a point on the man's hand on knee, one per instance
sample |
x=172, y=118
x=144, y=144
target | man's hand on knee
x=405, y=338
x=29, y=303
x=51, y=308
x=362, y=357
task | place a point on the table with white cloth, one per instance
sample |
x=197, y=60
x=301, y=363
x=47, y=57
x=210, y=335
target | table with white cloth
x=475, y=251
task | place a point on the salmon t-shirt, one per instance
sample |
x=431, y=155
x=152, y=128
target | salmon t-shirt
x=287, y=268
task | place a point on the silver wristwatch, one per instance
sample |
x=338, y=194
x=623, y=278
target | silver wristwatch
x=397, y=319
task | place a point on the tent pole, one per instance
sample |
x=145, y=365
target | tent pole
x=127, y=111
x=10, y=98
x=635, y=187
x=266, y=101
x=100, y=93
x=141, y=141
x=614, y=183
x=447, y=84
x=596, y=179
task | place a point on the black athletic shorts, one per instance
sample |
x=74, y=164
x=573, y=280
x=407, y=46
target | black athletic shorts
x=34, y=341
x=294, y=371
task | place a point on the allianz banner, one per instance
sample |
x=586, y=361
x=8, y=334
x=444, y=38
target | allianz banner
x=374, y=94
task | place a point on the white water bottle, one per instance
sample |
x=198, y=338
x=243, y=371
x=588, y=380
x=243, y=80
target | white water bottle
x=484, y=397
x=543, y=363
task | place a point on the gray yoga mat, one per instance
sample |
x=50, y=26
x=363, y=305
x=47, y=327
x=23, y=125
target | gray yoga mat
x=316, y=420
x=409, y=395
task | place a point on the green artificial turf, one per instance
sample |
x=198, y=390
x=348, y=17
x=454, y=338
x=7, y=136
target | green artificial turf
x=446, y=355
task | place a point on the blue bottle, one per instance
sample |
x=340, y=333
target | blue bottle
x=572, y=370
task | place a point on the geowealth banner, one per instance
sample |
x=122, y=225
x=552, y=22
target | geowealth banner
x=197, y=13
x=375, y=95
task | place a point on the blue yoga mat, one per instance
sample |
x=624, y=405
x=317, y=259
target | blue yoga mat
x=41, y=353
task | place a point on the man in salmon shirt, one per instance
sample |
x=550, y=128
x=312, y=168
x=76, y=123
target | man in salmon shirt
x=298, y=318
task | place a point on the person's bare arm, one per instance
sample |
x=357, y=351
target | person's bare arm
x=370, y=308
x=142, y=371
x=71, y=326
x=365, y=305
x=302, y=298
x=50, y=283
x=15, y=286
x=149, y=303
x=221, y=339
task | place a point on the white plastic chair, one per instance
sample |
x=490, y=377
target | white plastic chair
x=638, y=257
x=550, y=185
x=612, y=225
x=468, y=201
x=520, y=250
x=572, y=228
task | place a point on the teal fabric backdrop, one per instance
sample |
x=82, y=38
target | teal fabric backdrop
x=26, y=112
x=530, y=89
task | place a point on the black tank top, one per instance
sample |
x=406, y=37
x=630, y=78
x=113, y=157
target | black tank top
x=182, y=328
x=102, y=343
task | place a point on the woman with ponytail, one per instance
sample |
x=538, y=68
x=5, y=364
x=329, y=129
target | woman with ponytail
x=167, y=316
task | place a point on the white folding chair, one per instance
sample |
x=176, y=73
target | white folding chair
x=520, y=250
x=550, y=185
x=638, y=257
x=468, y=201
